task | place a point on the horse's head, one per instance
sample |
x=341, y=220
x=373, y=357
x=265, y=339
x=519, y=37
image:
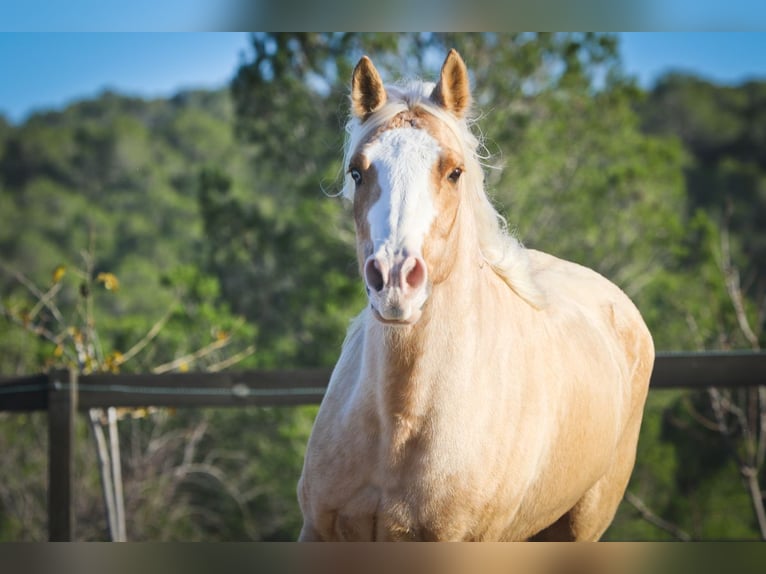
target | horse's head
x=406, y=161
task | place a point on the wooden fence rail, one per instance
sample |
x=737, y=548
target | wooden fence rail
x=64, y=393
x=237, y=389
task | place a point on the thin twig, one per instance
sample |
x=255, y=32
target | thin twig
x=731, y=277
x=36, y=330
x=761, y=448
x=190, y=449
x=46, y=301
x=749, y=472
x=233, y=360
x=755, y=438
x=647, y=514
x=698, y=416
x=750, y=475
x=33, y=289
x=190, y=357
x=716, y=402
x=185, y=472
x=148, y=338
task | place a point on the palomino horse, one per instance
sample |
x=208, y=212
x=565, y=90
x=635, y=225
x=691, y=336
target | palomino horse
x=488, y=392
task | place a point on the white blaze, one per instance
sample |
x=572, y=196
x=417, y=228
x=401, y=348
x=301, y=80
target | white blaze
x=401, y=217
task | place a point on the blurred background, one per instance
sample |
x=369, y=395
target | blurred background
x=166, y=205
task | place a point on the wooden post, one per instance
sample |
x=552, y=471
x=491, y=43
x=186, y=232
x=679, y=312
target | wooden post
x=62, y=410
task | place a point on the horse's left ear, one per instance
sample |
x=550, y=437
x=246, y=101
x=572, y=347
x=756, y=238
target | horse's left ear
x=453, y=92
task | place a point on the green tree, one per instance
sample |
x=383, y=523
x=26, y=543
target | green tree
x=723, y=128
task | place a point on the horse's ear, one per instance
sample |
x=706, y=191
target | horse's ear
x=453, y=92
x=367, y=91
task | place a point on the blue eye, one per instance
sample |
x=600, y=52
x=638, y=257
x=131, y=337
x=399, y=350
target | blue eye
x=355, y=175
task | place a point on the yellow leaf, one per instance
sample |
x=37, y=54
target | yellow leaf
x=221, y=335
x=183, y=367
x=110, y=281
x=58, y=273
x=76, y=335
x=58, y=351
x=113, y=361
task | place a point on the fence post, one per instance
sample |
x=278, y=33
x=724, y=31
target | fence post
x=62, y=411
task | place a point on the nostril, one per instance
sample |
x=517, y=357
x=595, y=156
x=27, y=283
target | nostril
x=415, y=275
x=373, y=275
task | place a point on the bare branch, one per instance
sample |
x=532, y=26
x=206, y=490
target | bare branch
x=698, y=416
x=149, y=337
x=732, y=280
x=190, y=357
x=761, y=313
x=761, y=447
x=647, y=514
x=749, y=472
x=46, y=301
x=212, y=471
x=233, y=360
x=191, y=444
x=733, y=407
x=750, y=475
x=36, y=330
x=699, y=341
x=38, y=294
x=717, y=403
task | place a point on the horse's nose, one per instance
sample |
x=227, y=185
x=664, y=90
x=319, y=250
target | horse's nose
x=408, y=274
x=375, y=274
x=413, y=273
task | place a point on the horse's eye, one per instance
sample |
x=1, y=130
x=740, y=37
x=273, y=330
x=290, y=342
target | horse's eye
x=455, y=175
x=355, y=175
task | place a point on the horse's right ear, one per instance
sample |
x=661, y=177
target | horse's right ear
x=367, y=92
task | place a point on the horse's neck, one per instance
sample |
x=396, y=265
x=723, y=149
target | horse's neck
x=412, y=364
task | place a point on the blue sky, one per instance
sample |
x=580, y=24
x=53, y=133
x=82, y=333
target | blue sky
x=729, y=57
x=107, y=15
x=48, y=70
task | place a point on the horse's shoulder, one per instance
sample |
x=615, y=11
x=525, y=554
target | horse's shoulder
x=546, y=267
x=577, y=290
x=571, y=286
x=572, y=281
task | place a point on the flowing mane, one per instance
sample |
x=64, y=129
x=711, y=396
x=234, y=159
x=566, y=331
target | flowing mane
x=502, y=251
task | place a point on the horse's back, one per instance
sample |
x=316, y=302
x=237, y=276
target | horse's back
x=570, y=285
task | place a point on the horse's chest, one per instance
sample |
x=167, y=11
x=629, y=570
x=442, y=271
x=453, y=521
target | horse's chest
x=407, y=498
x=426, y=513
x=404, y=513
